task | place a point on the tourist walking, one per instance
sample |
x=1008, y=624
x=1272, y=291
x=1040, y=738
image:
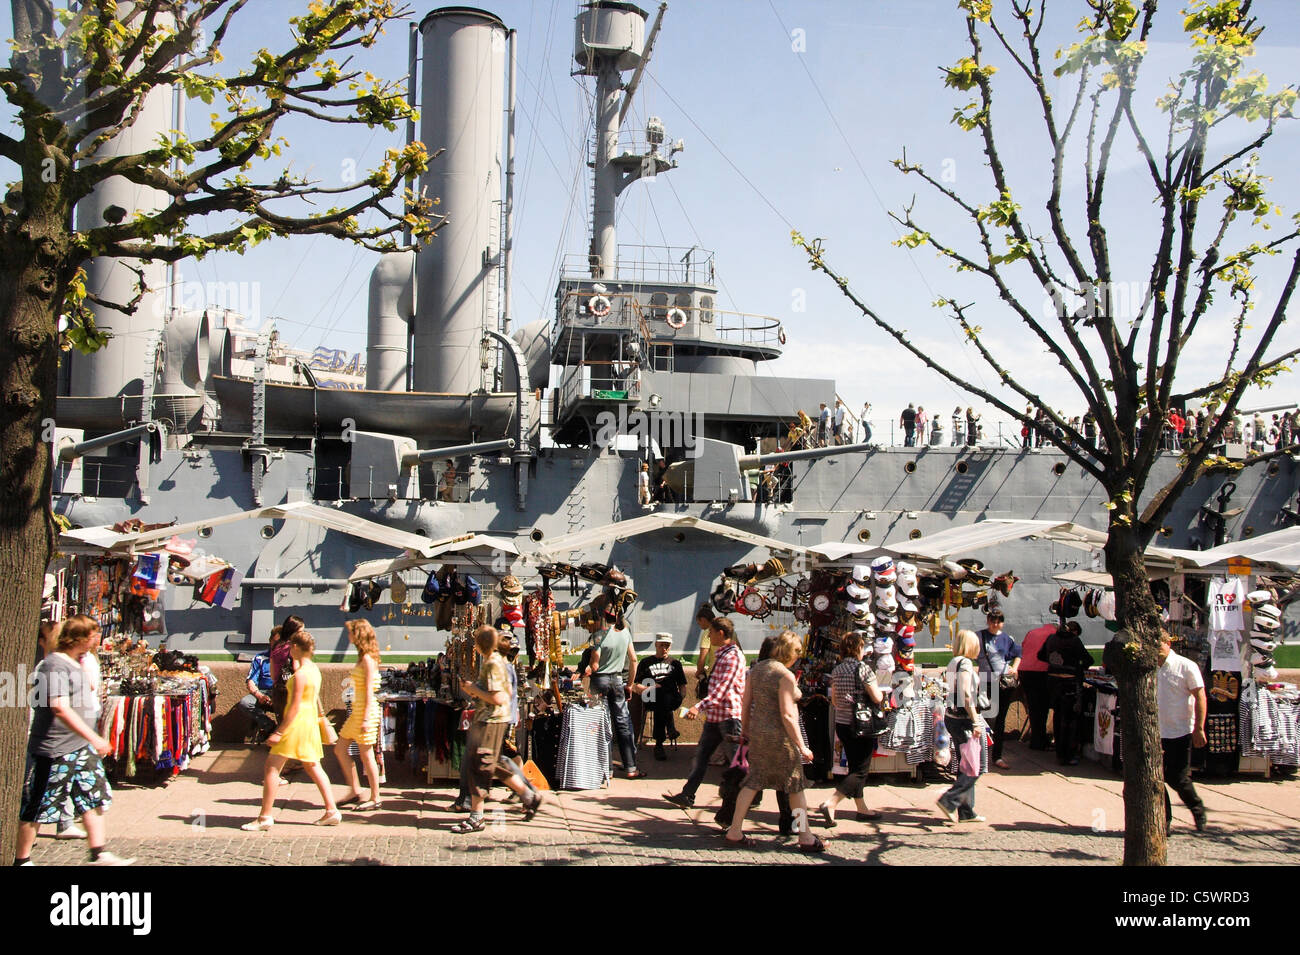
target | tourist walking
x=1180, y=699
x=776, y=749
x=965, y=726
x=362, y=725
x=721, y=710
x=65, y=774
x=298, y=737
x=852, y=684
x=487, y=734
x=866, y=422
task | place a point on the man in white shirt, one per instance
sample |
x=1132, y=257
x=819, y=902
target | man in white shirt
x=838, y=422
x=1180, y=697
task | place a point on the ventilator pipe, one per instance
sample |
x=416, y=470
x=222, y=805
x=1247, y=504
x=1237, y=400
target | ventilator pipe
x=411, y=458
x=752, y=462
x=70, y=452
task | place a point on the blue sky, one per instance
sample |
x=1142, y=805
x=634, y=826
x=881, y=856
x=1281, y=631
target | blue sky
x=791, y=113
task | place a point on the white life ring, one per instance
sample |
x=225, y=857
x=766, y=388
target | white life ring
x=780, y=335
x=676, y=318
x=599, y=306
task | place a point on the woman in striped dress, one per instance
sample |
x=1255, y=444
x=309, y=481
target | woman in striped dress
x=362, y=726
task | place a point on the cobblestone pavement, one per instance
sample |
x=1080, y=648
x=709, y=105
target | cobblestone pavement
x=1036, y=816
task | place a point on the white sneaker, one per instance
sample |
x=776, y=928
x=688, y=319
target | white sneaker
x=73, y=831
x=108, y=858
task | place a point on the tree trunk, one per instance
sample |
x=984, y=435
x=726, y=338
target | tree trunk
x=1138, y=614
x=29, y=290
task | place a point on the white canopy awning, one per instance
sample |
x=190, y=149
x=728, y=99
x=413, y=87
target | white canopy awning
x=958, y=541
x=558, y=547
x=106, y=540
x=1280, y=549
x=482, y=546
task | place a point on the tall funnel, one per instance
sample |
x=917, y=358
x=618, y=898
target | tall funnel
x=119, y=367
x=462, y=102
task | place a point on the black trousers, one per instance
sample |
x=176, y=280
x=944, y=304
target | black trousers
x=1065, y=697
x=857, y=752
x=664, y=725
x=1038, y=702
x=1177, y=758
x=998, y=721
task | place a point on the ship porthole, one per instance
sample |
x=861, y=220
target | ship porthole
x=536, y=535
x=1273, y=467
x=909, y=467
x=962, y=467
x=679, y=537
x=864, y=535
x=1058, y=468
x=914, y=534
x=267, y=532
x=1248, y=530
x=205, y=532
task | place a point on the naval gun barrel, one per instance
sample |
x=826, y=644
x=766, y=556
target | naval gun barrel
x=752, y=462
x=70, y=452
x=412, y=458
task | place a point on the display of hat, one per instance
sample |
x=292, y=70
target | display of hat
x=906, y=641
x=514, y=616
x=855, y=590
x=1261, y=643
x=861, y=573
x=1259, y=597
x=510, y=585
x=1268, y=612
x=931, y=588
x=884, y=667
x=859, y=610
x=1258, y=659
x=723, y=598
x=907, y=579
x=882, y=568
x=902, y=661
x=1266, y=674
x=1266, y=624
x=954, y=570
x=771, y=568
x=664, y=638
x=887, y=601
x=882, y=645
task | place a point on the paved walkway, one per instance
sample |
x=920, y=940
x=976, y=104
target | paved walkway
x=1036, y=815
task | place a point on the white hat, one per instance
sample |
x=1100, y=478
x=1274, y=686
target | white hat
x=664, y=638
x=1266, y=675
x=882, y=645
x=861, y=573
x=907, y=578
x=856, y=590
x=1268, y=610
x=1262, y=643
x=883, y=568
x=858, y=609
x=887, y=601
x=1259, y=596
x=1266, y=624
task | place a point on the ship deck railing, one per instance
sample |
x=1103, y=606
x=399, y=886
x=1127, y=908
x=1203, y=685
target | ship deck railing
x=648, y=264
x=650, y=322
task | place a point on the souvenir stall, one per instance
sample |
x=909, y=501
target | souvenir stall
x=477, y=582
x=1224, y=608
x=155, y=705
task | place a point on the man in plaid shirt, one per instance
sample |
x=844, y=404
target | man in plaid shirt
x=721, y=708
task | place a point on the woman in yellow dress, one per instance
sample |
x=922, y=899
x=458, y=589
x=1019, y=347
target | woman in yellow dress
x=297, y=737
x=362, y=726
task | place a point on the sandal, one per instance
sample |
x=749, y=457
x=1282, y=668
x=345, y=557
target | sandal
x=329, y=819
x=1001, y=764
x=531, y=808
x=469, y=825
x=369, y=805
x=828, y=815
x=349, y=801
x=744, y=842
x=815, y=846
x=259, y=824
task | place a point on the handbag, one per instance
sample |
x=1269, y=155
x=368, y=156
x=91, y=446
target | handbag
x=740, y=759
x=328, y=736
x=868, y=721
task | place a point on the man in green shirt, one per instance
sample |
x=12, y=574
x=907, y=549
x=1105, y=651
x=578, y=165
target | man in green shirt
x=488, y=731
x=612, y=643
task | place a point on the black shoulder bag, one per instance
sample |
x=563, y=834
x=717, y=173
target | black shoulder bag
x=868, y=719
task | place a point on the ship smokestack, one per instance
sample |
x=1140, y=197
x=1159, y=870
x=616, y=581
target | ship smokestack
x=462, y=103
